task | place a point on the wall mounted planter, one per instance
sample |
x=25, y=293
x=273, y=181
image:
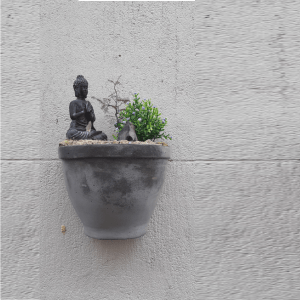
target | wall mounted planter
x=114, y=187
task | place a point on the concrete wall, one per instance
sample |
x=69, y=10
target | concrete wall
x=225, y=74
x=248, y=171
x=20, y=150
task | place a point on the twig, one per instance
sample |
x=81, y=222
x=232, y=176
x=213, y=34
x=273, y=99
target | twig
x=106, y=102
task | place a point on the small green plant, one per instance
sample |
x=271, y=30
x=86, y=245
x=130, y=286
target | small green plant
x=146, y=119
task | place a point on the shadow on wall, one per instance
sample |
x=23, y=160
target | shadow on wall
x=116, y=250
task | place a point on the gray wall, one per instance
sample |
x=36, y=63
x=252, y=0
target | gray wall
x=20, y=150
x=225, y=73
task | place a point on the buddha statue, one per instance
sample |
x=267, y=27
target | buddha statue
x=81, y=113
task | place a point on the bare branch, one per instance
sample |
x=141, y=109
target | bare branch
x=118, y=101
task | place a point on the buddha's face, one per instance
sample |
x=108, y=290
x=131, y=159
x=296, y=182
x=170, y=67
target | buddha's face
x=83, y=91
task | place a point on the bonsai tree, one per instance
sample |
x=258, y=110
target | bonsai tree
x=113, y=101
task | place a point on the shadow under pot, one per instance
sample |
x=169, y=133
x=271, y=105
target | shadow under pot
x=114, y=188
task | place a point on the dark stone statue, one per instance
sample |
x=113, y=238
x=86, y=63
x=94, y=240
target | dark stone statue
x=81, y=113
x=128, y=133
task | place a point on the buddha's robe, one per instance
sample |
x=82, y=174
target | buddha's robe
x=77, y=130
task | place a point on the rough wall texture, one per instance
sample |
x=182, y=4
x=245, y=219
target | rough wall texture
x=248, y=236
x=247, y=171
x=20, y=142
x=20, y=104
x=248, y=80
x=234, y=120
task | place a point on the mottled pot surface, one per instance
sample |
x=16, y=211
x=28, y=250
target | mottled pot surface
x=114, y=188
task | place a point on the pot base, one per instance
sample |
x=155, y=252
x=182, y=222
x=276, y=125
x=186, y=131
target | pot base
x=111, y=234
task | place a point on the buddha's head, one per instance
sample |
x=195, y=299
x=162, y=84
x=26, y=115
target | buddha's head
x=80, y=86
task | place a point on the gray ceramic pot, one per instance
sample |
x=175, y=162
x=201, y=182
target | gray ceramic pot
x=114, y=187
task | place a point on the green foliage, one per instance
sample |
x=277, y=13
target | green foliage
x=146, y=119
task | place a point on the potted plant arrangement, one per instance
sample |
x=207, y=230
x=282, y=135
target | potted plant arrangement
x=114, y=185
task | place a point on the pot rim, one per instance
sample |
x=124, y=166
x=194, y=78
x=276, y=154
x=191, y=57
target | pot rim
x=114, y=151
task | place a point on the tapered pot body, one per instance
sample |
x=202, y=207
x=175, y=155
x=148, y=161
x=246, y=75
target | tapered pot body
x=114, y=188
